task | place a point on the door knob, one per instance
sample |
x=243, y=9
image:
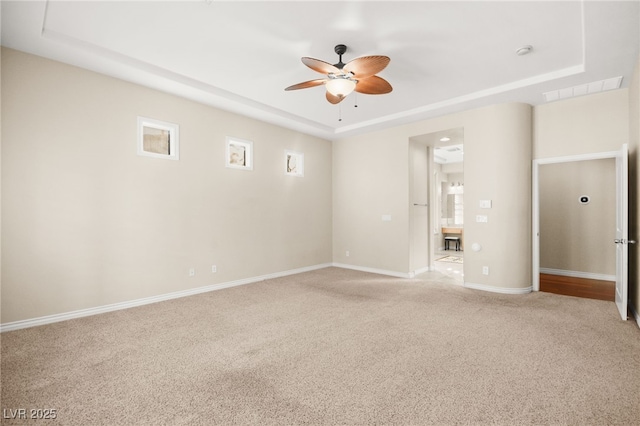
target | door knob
x=617, y=241
x=631, y=241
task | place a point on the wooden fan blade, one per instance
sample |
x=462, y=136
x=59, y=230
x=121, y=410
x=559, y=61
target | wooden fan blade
x=373, y=85
x=320, y=66
x=334, y=99
x=367, y=66
x=306, y=84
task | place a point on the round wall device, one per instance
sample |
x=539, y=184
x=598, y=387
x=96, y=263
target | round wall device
x=584, y=199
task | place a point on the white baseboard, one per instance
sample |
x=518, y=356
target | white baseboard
x=423, y=270
x=578, y=274
x=412, y=274
x=375, y=271
x=503, y=290
x=16, y=325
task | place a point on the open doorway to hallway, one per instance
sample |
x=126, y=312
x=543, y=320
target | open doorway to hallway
x=577, y=202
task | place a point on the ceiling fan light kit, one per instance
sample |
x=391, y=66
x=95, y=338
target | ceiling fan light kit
x=342, y=79
x=340, y=86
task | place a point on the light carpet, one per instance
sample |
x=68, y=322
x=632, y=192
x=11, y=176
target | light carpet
x=333, y=346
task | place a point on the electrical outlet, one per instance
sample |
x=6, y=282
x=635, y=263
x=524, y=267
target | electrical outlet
x=214, y=268
x=485, y=270
x=192, y=272
x=347, y=253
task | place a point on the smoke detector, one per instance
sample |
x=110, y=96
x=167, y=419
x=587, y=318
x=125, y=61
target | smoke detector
x=524, y=50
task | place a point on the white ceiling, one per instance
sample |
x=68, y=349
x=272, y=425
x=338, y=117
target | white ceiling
x=446, y=56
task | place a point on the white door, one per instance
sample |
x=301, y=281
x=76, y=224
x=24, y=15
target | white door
x=622, y=230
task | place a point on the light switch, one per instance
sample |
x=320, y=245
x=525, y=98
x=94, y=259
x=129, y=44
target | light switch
x=482, y=218
x=386, y=218
x=485, y=204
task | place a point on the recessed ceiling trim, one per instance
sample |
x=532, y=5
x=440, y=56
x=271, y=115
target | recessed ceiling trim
x=235, y=103
x=542, y=78
x=59, y=31
x=222, y=98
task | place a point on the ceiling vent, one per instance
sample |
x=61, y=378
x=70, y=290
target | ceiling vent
x=583, y=89
x=448, y=154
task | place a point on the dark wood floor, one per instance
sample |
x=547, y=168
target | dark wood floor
x=579, y=287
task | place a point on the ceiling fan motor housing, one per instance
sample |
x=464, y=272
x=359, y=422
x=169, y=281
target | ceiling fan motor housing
x=340, y=49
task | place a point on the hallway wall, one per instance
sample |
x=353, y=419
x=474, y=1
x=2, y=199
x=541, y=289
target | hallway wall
x=576, y=237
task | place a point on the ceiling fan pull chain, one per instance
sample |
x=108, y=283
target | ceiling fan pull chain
x=339, y=112
x=355, y=100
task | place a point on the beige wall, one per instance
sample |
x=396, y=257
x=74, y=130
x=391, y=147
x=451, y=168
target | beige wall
x=634, y=179
x=497, y=167
x=371, y=179
x=582, y=125
x=573, y=236
x=371, y=176
x=86, y=222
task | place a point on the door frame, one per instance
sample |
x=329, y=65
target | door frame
x=622, y=232
x=535, y=279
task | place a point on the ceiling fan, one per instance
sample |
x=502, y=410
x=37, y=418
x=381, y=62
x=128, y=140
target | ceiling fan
x=342, y=79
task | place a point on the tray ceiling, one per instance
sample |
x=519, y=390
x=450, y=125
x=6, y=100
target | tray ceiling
x=239, y=56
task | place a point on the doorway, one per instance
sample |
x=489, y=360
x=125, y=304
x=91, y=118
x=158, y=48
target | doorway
x=443, y=175
x=577, y=206
x=577, y=227
x=449, y=232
